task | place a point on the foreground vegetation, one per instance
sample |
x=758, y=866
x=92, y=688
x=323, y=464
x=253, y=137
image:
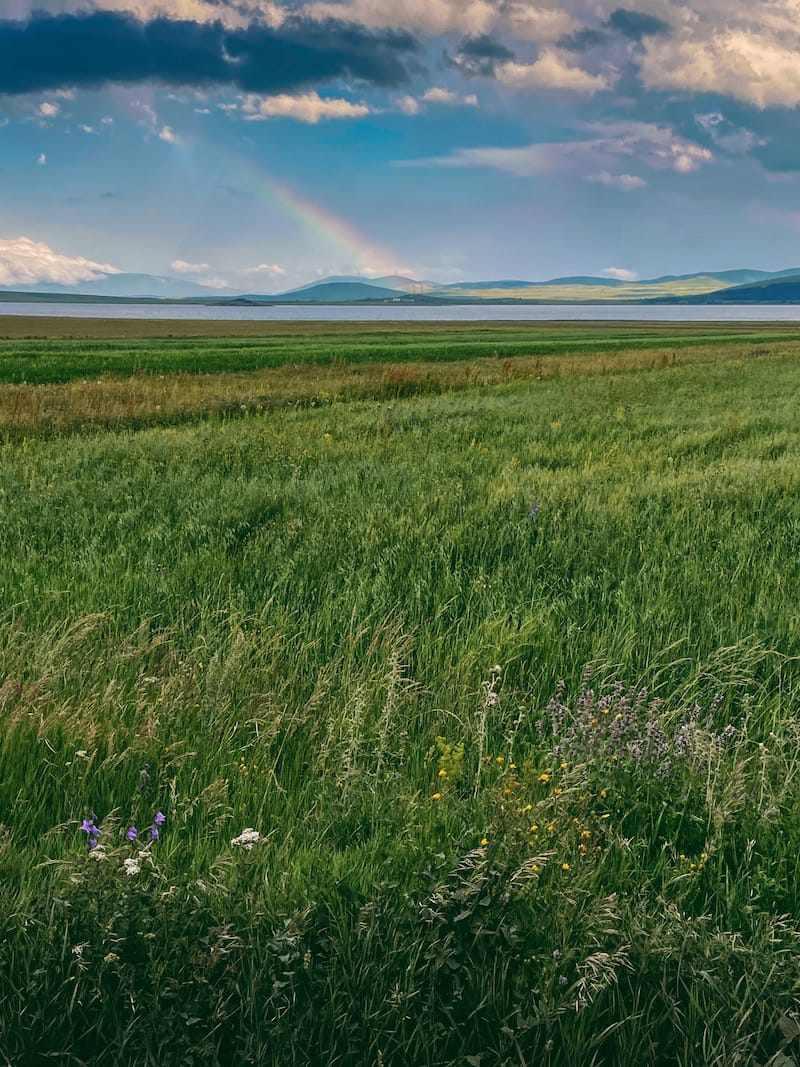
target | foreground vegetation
x=460, y=728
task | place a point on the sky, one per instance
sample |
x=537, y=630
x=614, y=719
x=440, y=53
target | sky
x=256, y=145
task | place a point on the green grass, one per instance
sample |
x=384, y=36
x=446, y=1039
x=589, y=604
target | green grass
x=51, y=354
x=280, y=615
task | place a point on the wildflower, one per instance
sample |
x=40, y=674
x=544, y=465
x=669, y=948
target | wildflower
x=544, y=778
x=487, y=759
x=586, y=833
x=582, y=849
x=603, y=794
x=96, y=852
x=682, y=857
x=564, y=766
x=512, y=766
x=484, y=842
x=159, y=818
x=436, y=796
x=89, y=827
x=154, y=834
x=557, y=792
x=442, y=773
x=535, y=868
x=506, y=792
x=132, y=833
x=550, y=828
x=500, y=759
x=526, y=809
x=246, y=839
x=110, y=957
x=131, y=867
x=704, y=856
x=534, y=827
x=564, y=866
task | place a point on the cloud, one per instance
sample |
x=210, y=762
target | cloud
x=436, y=95
x=596, y=158
x=752, y=65
x=306, y=107
x=273, y=269
x=24, y=261
x=636, y=24
x=625, y=182
x=89, y=50
x=551, y=71
x=480, y=55
x=86, y=129
x=732, y=139
x=166, y=133
x=619, y=273
x=180, y=266
x=435, y=17
x=47, y=110
x=42, y=160
x=409, y=105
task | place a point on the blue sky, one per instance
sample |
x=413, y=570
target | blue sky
x=257, y=145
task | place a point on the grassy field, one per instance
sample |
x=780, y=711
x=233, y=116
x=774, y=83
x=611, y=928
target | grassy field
x=502, y=674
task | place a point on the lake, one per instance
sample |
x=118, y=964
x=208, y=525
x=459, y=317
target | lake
x=405, y=313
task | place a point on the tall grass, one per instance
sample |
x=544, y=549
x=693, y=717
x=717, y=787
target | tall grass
x=290, y=623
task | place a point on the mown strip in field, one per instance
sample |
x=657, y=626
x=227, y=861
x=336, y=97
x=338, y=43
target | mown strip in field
x=149, y=399
x=33, y=359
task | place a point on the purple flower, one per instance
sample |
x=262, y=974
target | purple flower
x=91, y=843
x=132, y=833
x=159, y=818
x=154, y=835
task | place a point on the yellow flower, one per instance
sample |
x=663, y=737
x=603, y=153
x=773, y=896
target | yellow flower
x=557, y=792
x=526, y=809
x=603, y=794
x=582, y=849
x=534, y=827
x=506, y=792
x=500, y=759
x=545, y=778
x=550, y=827
x=564, y=866
x=512, y=766
x=442, y=773
x=564, y=766
x=535, y=868
x=682, y=857
x=606, y=816
x=586, y=833
x=484, y=841
x=436, y=796
x=704, y=856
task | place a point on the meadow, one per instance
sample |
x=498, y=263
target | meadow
x=401, y=708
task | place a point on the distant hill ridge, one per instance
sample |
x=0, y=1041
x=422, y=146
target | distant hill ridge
x=728, y=286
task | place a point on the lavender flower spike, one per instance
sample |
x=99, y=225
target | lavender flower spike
x=132, y=833
x=159, y=818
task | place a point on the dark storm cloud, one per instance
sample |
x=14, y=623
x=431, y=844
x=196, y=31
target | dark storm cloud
x=90, y=50
x=630, y=25
x=634, y=25
x=479, y=55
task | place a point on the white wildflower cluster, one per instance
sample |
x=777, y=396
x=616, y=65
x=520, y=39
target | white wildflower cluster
x=246, y=839
x=131, y=867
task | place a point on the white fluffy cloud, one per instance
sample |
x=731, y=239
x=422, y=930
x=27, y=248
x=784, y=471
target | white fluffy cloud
x=168, y=134
x=305, y=107
x=621, y=274
x=26, y=262
x=552, y=70
x=180, y=266
x=747, y=64
x=596, y=158
x=437, y=95
x=47, y=110
x=273, y=269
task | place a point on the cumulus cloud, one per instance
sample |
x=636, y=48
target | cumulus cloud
x=48, y=110
x=746, y=64
x=621, y=274
x=434, y=17
x=596, y=158
x=166, y=133
x=42, y=160
x=305, y=107
x=625, y=182
x=437, y=95
x=551, y=71
x=24, y=261
x=180, y=266
x=273, y=269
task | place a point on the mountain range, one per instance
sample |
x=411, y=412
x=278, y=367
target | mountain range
x=705, y=287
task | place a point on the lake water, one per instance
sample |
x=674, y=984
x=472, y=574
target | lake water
x=401, y=313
